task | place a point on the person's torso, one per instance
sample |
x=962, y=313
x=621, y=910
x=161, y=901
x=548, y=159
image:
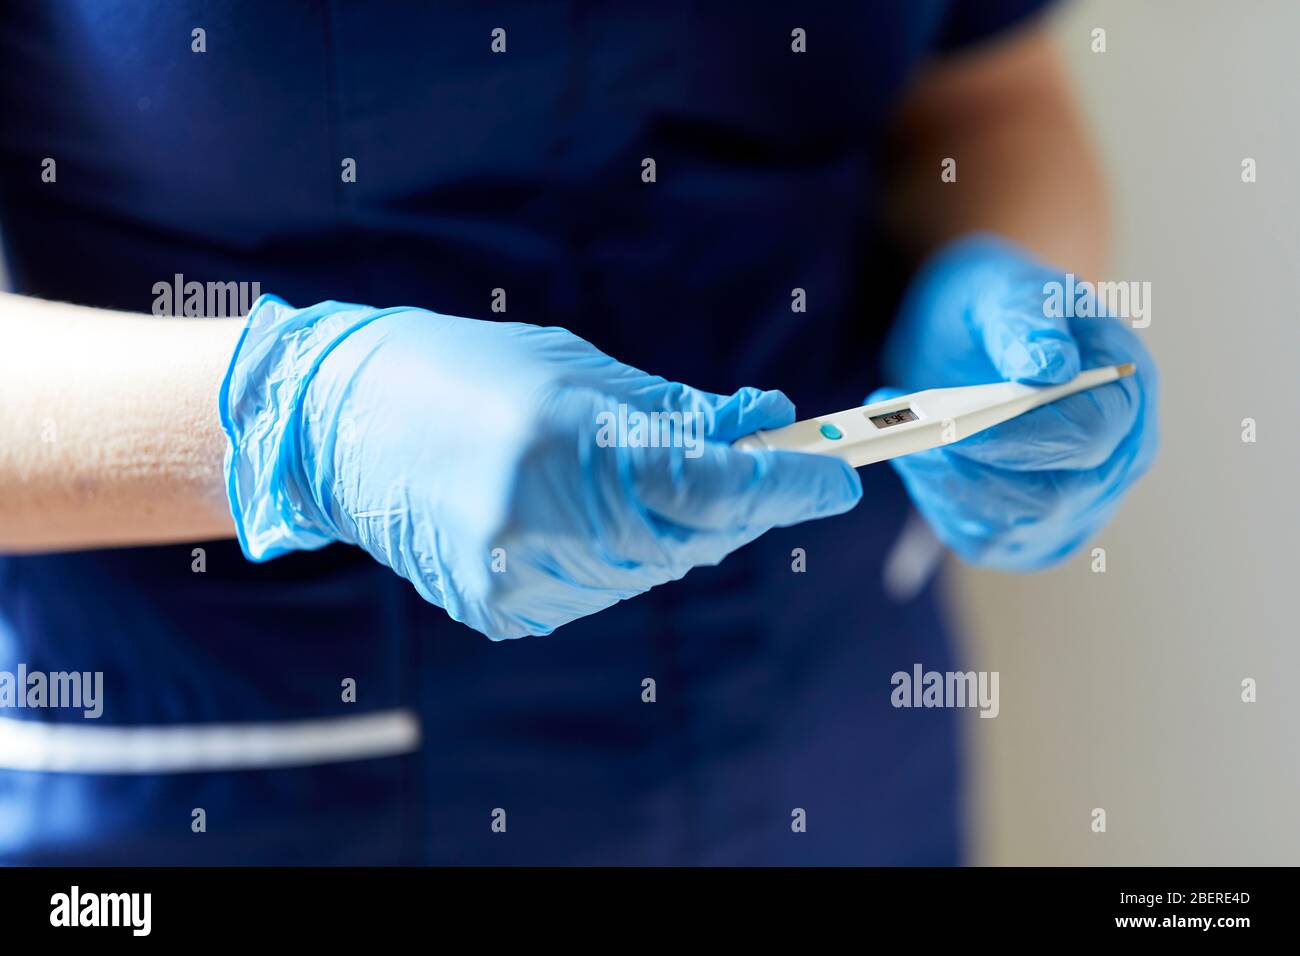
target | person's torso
x=678, y=185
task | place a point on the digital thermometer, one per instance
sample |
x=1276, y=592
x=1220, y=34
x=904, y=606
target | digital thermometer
x=911, y=423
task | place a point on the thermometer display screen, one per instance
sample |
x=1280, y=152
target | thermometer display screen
x=893, y=418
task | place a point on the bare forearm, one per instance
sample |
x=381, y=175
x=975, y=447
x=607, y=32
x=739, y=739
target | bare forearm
x=1024, y=167
x=109, y=431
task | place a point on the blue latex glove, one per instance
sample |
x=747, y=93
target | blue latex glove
x=1026, y=493
x=447, y=447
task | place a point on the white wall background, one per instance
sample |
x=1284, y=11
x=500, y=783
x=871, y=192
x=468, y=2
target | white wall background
x=1123, y=690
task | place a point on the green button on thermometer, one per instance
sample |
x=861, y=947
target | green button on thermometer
x=831, y=432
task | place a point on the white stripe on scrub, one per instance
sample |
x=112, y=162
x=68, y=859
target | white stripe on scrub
x=186, y=748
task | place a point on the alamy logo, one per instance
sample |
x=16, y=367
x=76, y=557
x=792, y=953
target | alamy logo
x=74, y=908
x=922, y=688
x=1079, y=298
x=204, y=300
x=630, y=428
x=77, y=690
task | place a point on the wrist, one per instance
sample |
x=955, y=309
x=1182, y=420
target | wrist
x=269, y=472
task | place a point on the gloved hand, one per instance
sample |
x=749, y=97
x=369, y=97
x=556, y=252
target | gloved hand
x=1024, y=494
x=473, y=459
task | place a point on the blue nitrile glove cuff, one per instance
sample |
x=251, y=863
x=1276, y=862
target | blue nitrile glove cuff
x=261, y=396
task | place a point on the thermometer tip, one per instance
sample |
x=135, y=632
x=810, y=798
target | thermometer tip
x=1128, y=368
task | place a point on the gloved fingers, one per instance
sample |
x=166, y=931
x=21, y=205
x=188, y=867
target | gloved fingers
x=708, y=548
x=982, y=301
x=1015, y=520
x=723, y=418
x=748, y=410
x=542, y=590
x=1076, y=433
x=1025, y=343
x=959, y=501
x=727, y=489
x=983, y=515
x=1107, y=341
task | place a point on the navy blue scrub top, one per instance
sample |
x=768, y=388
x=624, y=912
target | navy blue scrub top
x=477, y=171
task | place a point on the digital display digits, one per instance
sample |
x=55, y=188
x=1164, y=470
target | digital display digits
x=893, y=418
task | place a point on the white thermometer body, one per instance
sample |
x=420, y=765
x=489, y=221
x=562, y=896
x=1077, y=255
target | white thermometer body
x=922, y=420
